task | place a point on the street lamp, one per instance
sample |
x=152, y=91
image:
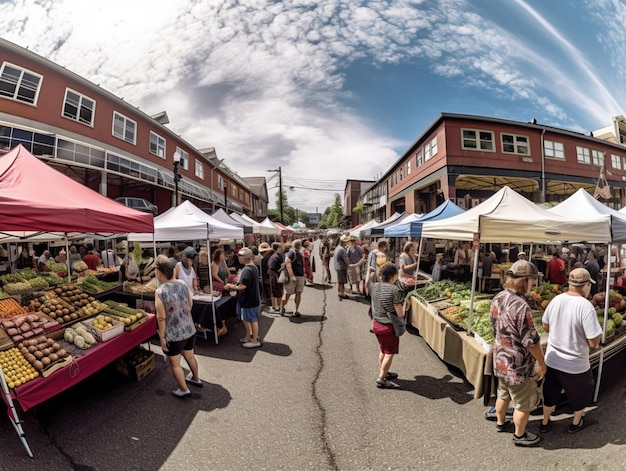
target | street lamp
x=280, y=192
x=177, y=175
x=226, y=196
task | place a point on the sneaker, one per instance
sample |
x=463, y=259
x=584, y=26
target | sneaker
x=281, y=311
x=545, y=428
x=180, y=393
x=528, y=439
x=251, y=344
x=391, y=375
x=575, y=428
x=273, y=313
x=245, y=339
x=503, y=427
x=386, y=384
x=190, y=380
x=490, y=414
x=296, y=314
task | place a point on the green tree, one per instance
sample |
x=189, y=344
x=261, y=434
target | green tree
x=333, y=214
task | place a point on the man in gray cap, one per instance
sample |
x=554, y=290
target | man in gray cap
x=572, y=326
x=248, y=297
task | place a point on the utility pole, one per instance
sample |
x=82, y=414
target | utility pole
x=280, y=192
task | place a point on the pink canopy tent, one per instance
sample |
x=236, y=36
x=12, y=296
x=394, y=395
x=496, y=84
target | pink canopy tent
x=36, y=197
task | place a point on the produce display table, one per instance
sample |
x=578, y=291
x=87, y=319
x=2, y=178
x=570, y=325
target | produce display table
x=453, y=347
x=202, y=311
x=40, y=389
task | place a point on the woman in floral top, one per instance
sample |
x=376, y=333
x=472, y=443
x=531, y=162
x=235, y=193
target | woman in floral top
x=518, y=360
x=176, y=328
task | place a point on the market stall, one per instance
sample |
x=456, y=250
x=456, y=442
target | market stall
x=188, y=222
x=27, y=208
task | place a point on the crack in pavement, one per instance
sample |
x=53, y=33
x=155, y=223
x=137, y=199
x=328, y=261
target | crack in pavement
x=318, y=351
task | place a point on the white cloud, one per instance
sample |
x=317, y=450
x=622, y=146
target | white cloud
x=261, y=81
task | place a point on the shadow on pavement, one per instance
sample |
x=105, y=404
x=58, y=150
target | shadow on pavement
x=438, y=388
x=305, y=318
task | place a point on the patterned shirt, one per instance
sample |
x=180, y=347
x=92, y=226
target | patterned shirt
x=178, y=321
x=514, y=333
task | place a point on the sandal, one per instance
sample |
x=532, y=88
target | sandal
x=386, y=384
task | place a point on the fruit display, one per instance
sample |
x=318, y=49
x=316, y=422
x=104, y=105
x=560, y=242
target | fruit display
x=9, y=307
x=60, y=268
x=540, y=296
x=123, y=314
x=79, y=266
x=23, y=327
x=22, y=275
x=41, y=352
x=440, y=289
x=3, y=294
x=17, y=370
x=102, y=322
x=138, y=288
x=79, y=336
x=93, y=285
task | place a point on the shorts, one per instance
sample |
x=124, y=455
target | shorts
x=578, y=388
x=177, y=347
x=342, y=276
x=276, y=288
x=525, y=396
x=295, y=286
x=389, y=343
x=249, y=314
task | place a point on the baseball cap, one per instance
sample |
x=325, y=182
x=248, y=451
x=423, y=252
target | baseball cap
x=190, y=252
x=523, y=268
x=579, y=276
x=245, y=252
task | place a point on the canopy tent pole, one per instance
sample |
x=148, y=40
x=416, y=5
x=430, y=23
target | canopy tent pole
x=606, y=310
x=67, y=254
x=471, y=307
x=208, y=247
x=419, y=256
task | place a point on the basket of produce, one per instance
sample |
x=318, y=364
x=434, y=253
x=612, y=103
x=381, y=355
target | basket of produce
x=131, y=318
x=44, y=354
x=93, y=285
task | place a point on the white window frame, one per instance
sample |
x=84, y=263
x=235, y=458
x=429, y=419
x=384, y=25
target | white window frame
x=481, y=143
x=617, y=162
x=128, y=128
x=419, y=158
x=408, y=168
x=597, y=158
x=199, y=169
x=158, y=145
x=184, y=158
x=233, y=190
x=430, y=149
x=583, y=156
x=83, y=103
x=220, y=182
x=520, y=142
x=20, y=84
x=554, y=149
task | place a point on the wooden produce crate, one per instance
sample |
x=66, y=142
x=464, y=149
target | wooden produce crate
x=104, y=335
x=136, y=364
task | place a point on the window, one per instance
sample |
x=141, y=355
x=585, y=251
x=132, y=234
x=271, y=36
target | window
x=184, y=158
x=124, y=128
x=78, y=107
x=419, y=158
x=401, y=174
x=220, y=184
x=514, y=144
x=408, y=168
x=554, y=150
x=475, y=139
x=616, y=161
x=199, y=169
x=233, y=190
x=157, y=145
x=582, y=154
x=430, y=149
x=19, y=84
x=597, y=157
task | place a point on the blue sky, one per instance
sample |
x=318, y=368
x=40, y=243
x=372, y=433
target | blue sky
x=337, y=89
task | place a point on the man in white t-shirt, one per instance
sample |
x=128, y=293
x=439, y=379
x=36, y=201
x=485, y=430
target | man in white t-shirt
x=573, y=327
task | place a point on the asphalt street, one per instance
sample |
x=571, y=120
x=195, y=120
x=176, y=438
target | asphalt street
x=305, y=401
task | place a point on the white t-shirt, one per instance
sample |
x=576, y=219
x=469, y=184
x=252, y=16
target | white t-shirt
x=572, y=320
x=186, y=275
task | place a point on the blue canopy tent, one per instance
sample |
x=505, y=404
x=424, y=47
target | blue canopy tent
x=414, y=228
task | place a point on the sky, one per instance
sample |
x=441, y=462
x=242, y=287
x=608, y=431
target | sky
x=331, y=90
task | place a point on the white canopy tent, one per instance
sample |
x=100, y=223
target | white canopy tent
x=508, y=216
x=265, y=227
x=188, y=222
x=368, y=225
x=581, y=205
